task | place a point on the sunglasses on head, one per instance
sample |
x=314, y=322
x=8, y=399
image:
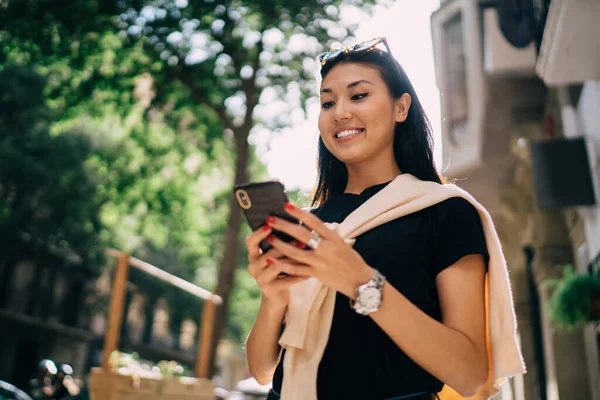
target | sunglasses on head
x=357, y=48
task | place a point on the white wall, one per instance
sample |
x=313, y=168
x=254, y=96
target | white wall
x=588, y=110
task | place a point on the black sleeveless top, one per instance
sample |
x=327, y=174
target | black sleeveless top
x=360, y=360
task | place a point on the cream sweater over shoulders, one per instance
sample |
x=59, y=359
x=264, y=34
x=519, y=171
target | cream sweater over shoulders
x=309, y=314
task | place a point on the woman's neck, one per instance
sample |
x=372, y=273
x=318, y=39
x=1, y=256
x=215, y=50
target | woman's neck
x=369, y=174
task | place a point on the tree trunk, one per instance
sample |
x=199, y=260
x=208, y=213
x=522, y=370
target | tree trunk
x=231, y=249
x=227, y=267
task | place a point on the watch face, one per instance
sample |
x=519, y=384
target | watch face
x=370, y=298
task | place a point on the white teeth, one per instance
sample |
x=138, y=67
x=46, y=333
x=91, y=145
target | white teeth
x=344, y=134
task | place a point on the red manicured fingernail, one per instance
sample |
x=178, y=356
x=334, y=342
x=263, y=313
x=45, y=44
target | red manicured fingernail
x=271, y=220
x=270, y=239
x=270, y=262
x=289, y=206
x=266, y=228
x=300, y=245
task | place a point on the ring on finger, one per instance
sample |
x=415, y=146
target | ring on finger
x=314, y=241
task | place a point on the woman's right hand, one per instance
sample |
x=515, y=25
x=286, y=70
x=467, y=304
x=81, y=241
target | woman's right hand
x=273, y=282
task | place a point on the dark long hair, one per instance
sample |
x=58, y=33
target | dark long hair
x=413, y=138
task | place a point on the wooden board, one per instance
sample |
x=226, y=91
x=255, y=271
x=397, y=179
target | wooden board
x=110, y=385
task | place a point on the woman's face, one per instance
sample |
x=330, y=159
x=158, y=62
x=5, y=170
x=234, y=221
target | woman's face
x=358, y=114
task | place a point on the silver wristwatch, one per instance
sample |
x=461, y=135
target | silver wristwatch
x=369, y=296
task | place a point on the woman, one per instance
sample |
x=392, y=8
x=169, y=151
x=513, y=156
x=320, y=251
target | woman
x=429, y=267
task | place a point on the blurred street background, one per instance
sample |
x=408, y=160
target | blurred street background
x=124, y=125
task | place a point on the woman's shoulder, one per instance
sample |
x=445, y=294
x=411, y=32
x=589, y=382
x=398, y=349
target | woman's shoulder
x=453, y=210
x=456, y=204
x=457, y=214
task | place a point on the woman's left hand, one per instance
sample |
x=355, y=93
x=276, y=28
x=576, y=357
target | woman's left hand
x=333, y=262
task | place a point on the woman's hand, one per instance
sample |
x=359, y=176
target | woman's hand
x=333, y=262
x=273, y=283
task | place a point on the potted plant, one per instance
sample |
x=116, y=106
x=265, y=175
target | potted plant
x=129, y=379
x=575, y=300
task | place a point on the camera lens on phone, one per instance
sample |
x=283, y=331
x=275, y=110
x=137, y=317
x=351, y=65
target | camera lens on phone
x=243, y=199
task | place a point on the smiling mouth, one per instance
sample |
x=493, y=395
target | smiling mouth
x=349, y=132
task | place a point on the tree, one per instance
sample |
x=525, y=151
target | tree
x=155, y=161
x=230, y=54
x=153, y=148
x=228, y=59
x=48, y=198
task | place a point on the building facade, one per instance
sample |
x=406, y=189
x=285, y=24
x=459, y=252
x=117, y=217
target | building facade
x=520, y=100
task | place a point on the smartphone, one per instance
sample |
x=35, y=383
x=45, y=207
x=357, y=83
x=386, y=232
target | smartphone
x=261, y=200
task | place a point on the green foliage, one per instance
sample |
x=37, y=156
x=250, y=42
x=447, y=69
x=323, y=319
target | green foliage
x=48, y=198
x=569, y=305
x=148, y=101
x=246, y=300
x=235, y=55
x=131, y=365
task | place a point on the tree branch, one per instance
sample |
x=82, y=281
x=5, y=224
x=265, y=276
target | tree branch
x=249, y=87
x=184, y=76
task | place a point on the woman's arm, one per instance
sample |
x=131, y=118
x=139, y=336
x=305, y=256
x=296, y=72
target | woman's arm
x=453, y=351
x=262, y=347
